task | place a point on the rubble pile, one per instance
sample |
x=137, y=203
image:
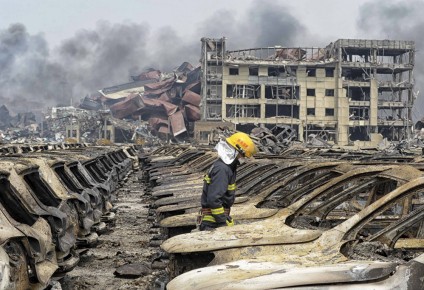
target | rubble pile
x=168, y=102
x=23, y=128
x=155, y=106
x=275, y=140
x=268, y=141
x=58, y=118
x=20, y=128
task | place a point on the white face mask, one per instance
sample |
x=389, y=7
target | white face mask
x=226, y=152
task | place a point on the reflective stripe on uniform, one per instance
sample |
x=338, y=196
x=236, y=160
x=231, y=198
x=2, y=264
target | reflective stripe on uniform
x=206, y=214
x=230, y=186
x=208, y=218
x=217, y=211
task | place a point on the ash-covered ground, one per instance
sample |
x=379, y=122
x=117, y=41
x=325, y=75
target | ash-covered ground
x=127, y=243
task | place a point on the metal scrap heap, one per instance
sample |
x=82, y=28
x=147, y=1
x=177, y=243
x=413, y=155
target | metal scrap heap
x=168, y=102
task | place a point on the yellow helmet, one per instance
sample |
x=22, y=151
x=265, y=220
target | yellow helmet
x=242, y=143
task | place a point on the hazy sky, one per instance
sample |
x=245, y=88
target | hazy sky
x=52, y=50
x=58, y=20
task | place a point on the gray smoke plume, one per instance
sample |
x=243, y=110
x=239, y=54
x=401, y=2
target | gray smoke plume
x=272, y=24
x=266, y=23
x=168, y=49
x=27, y=76
x=33, y=76
x=400, y=20
x=103, y=57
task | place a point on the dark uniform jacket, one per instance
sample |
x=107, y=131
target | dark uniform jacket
x=219, y=189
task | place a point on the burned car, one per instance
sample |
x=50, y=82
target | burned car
x=391, y=223
x=49, y=168
x=311, y=215
x=38, y=199
x=255, y=199
x=366, y=274
x=27, y=239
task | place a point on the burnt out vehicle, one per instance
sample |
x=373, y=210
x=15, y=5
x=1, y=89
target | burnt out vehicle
x=388, y=230
x=352, y=275
x=38, y=200
x=100, y=169
x=75, y=186
x=112, y=162
x=307, y=219
x=90, y=174
x=27, y=240
x=165, y=156
x=101, y=174
x=88, y=216
x=89, y=193
x=117, y=158
x=255, y=198
x=77, y=170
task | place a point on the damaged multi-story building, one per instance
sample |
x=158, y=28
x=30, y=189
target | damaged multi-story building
x=351, y=90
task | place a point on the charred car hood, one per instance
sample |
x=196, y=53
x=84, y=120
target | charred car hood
x=251, y=274
x=269, y=232
x=237, y=212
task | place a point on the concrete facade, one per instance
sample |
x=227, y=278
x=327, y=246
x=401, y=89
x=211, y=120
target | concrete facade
x=351, y=90
x=73, y=132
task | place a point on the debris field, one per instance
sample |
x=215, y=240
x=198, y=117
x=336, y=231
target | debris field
x=124, y=217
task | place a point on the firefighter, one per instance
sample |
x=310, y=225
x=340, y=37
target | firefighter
x=220, y=182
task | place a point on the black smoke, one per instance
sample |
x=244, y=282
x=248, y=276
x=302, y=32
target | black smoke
x=34, y=76
x=103, y=57
x=27, y=76
x=272, y=24
x=398, y=20
x=266, y=23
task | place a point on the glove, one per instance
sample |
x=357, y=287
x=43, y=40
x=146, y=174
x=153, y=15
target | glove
x=229, y=221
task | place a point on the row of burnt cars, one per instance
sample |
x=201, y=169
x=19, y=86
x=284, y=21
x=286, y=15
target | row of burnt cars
x=305, y=220
x=55, y=200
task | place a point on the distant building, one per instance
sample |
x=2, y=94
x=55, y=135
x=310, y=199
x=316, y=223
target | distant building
x=351, y=90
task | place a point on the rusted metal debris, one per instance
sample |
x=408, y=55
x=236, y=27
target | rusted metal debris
x=150, y=74
x=163, y=104
x=168, y=102
x=126, y=107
